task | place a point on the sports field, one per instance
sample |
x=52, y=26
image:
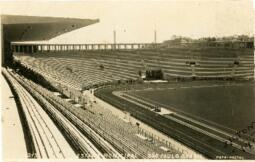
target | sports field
x=230, y=106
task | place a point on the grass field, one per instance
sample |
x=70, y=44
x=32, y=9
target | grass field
x=229, y=106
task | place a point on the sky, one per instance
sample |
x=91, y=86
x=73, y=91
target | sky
x=135, y=21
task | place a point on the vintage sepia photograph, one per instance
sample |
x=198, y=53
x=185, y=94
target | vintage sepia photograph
x=119, y=79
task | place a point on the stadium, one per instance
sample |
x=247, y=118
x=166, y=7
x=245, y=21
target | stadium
x=173, y=100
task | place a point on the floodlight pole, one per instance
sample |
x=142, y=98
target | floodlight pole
x=114, y=38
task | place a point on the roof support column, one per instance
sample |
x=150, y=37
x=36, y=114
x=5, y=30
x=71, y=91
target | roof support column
x=12, y=49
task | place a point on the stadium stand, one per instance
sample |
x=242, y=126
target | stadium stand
x=84, y=69
x=101, y=121
x=56, y=77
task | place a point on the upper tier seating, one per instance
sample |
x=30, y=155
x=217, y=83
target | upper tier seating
x=87, y=68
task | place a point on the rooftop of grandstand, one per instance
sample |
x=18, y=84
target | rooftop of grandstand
x=48, y=27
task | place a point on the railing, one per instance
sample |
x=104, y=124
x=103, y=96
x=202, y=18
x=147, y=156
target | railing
x=32, y=48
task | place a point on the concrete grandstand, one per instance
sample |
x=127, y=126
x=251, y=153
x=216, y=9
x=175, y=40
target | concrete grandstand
x=92, y=101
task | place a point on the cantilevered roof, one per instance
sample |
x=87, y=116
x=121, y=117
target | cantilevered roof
x=35, y=28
